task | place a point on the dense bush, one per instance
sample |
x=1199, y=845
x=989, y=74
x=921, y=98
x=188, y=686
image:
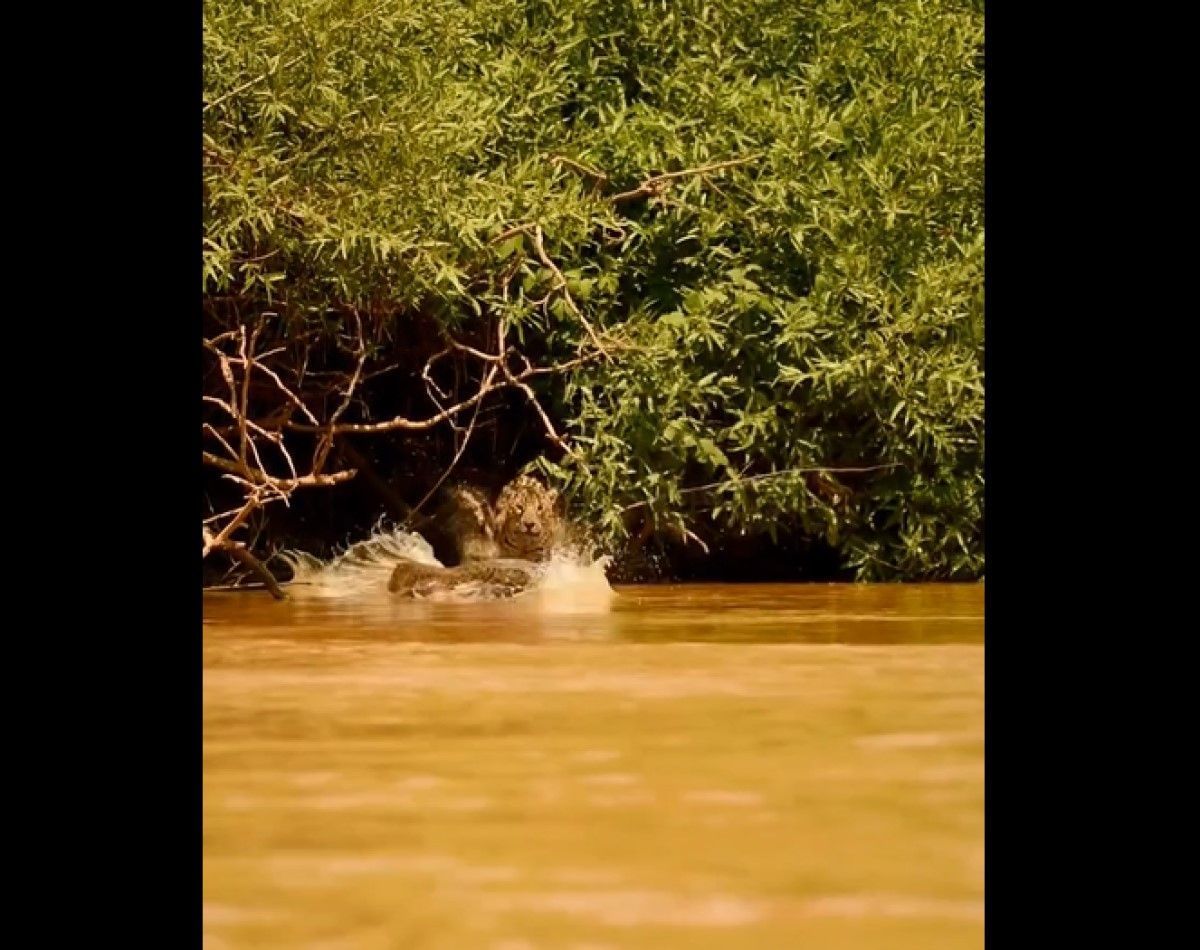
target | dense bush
x=816, y=304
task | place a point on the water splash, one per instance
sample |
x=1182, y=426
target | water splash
x=361, y=570
x=571, y=581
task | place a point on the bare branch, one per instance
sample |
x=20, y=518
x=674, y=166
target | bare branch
x=399, y=423
x=218, y=541
x=258, y=477
x=235, y=352
x=357, y=375
x=540, y=248
x=510, y=232
x=241, y=553
x=659, y=183
x=448, y=413
x=220, y=438
x=470, y=430
x=288, y=394
x=241, y=414
x=766, y=475
x=600, y=177
x=533, y=401
x=250, y=82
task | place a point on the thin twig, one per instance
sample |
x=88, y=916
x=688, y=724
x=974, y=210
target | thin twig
x=533, y=401
x=321, y=453
x=288, y=394
x=689, y=535
x=220, y=438
x=657, y=184
x=397, y=423
x=397, y=505
x=357, y=376
x=600, y=177
x=540, y=248
x=251, y=82
x=242, y=553
x=461, y=448
x=510, y=232
x=258, y=477
x=241, y=414
x=757, y=478
x=218, y=540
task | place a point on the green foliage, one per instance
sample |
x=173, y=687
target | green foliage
x=821, y=305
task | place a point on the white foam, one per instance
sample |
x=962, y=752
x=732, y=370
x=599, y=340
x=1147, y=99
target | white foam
x=569, y=582
x=362, y=569
x=572, y=583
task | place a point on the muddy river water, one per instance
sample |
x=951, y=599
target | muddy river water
x=684, y=766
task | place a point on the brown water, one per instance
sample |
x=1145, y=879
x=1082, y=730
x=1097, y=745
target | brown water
x=698, y=766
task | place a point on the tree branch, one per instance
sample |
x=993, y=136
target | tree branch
x=240, y=552
x=757, y=478
x=658, y=184
x=258, y=477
